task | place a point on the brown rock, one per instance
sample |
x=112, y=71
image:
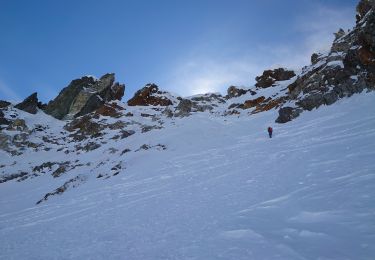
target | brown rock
x=268, y=104
x=234, y=91
x=149, y=96
x=253, y=102
x=269, y=77
x=86, y=128
x=112, y=110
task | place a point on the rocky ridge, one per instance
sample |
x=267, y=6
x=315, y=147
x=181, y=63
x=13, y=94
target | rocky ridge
x=87, y=116
x=347, y=68
x=150, y=95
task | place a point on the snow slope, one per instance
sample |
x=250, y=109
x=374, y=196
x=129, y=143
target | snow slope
x=221, y=190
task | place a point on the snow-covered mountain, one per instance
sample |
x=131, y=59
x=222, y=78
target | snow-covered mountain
x=88, y=176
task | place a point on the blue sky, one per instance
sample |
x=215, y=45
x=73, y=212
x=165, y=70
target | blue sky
x=186, y=47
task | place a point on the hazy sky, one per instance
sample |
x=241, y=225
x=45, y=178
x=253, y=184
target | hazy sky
x=187, y=47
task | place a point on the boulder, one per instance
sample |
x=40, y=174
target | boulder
x=84, y=96
x=234, y=91
x=184, y=108
x=286, y=114
x=269, y=77
x=30, y=104
x=149, y=96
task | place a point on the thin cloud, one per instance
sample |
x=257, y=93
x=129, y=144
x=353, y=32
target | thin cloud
x=210, y=75
x=321, y=24
x=201, y=73
x=317, y=34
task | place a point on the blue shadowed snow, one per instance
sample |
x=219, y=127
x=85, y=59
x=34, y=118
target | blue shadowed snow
x=221, y=190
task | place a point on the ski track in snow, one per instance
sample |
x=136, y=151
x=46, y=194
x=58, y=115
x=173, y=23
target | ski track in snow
x=221, y=190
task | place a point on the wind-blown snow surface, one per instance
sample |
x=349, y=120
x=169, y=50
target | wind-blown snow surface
x=221, y=190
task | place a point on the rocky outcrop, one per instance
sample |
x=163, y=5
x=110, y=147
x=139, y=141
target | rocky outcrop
x=269, y=77
x=16, y=137
x=72, y=183
x=347, y=69
x=88, y=127
x=363, y=7
x=286, y=114
x=4, y=104
x=209, y=98
x=30, y=104
x=234, y=91
x=84, y=96
x=110, y=109
x=253, y=102
x=316, y=57
x=3, y=120
x=149, y=96
x=4, y=141
x=83, y=128
x=198, y=103
x=339, y=34
x=18, y=125
x=184, y=108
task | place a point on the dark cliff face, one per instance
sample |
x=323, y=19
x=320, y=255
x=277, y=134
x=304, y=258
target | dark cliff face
x=59, y=107
x=84, y=95
x=30, y=104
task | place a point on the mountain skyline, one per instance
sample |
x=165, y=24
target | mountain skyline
x=187, y=48
x=283, y=169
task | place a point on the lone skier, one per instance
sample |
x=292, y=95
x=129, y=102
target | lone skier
x=270, y=131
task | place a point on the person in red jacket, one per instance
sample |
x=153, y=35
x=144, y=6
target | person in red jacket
x=270, y=131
